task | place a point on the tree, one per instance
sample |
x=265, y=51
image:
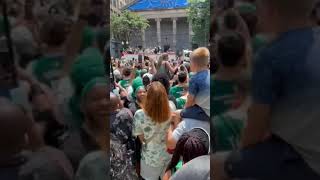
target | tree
x=127, y=24
x=199, y=16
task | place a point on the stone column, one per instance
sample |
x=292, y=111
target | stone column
x=158, y=20
x=190, y=34
x=143, y=39
x=174, y=33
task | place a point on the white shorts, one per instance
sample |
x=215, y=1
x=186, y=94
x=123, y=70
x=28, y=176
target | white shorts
x=152, y=173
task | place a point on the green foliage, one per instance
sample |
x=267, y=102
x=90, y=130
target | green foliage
x=127, y=24
x=199, y=16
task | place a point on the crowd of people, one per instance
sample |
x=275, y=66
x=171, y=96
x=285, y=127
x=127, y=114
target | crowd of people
x=254, y=113
x=160, y=117
x=264, y=88
x=53, y=90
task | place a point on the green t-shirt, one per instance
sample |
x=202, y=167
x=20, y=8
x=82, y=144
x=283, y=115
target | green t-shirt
x=176, y=91
x=125, y=83
x=48, y=69
x=138, y=73
x=228, y=132
x=228, y=128
x=222, y=95
x=180, y=102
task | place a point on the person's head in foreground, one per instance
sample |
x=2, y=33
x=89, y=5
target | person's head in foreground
x=192, y=144
x=200, y=59
x=53, y=32
x=93, y=167
x=14, y=127
x=156, y=103
x=275, y=16
x=198, y=168
x=94, y=106
x=231, y=52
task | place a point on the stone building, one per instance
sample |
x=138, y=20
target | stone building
x=168, y=21
x=117, y=5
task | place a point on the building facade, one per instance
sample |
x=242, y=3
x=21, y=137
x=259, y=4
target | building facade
x=117, y=5
x=115, y=8
x=168, y=22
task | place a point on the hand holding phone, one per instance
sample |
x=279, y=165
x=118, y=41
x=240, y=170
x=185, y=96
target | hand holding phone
x=140, y=59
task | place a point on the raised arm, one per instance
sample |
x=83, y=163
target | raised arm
x=74, y=41
x=170, y=68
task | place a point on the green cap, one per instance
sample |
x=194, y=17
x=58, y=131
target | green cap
x=136, y=84
x=91, y=84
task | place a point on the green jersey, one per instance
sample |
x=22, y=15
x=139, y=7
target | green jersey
x=47, y=69
x=223, y=95
x=224, y=100
x=125, y=83
x=176, y=91
x=138, y=73
x=181, y=102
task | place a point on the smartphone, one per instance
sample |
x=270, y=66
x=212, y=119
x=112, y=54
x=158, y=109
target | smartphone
x=140, y=59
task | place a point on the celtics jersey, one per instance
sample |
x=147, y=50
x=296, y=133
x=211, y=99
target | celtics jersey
x=176, y=91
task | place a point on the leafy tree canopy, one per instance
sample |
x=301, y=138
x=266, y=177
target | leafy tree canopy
x=126, y=24
x=199, y=16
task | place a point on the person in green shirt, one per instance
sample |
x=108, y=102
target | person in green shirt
x=181, y=101
x=88, y=65
x=226, y=92
x=126, y=74
x=48, y=68
x=177, y=90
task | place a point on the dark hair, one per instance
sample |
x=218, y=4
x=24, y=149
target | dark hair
x=163, y=79
x=192, y=144
x=230, y=20
x=182, y=77
x=231, y=48
x=53, y=31
x=146, y=81
x=126, y=71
